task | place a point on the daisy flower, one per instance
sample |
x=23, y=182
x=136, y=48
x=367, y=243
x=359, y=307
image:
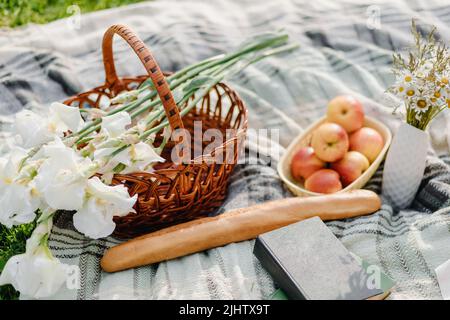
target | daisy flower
x=423, y=79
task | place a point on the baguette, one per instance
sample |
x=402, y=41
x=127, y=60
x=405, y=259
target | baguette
x=234, y=226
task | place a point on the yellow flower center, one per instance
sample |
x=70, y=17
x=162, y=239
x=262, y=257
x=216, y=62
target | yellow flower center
x=410, y=93
x=421, y=103
x=52, y=127
x=408, y=78
x=448, y=103
x=444, y=80
x=35, y=192
x=437, y=94
x=101, y=202
x=433, y=99
x=400, y=89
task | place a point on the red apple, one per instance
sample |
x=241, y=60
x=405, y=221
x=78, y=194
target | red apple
x=347, y=112
x=351, y=166
x=367, y=141
x=323, y=181
x=330, y=142
x=304, y=163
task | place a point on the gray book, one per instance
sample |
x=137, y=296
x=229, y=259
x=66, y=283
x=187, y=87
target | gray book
x=308, y=262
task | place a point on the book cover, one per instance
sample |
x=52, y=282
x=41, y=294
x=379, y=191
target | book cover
x=308, y=262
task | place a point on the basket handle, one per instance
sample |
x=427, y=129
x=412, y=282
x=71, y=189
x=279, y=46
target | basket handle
x=146, y=57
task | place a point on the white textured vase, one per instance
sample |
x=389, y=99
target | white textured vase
x=404, y=165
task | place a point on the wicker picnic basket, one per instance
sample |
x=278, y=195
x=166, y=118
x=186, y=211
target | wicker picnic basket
x=172, y=194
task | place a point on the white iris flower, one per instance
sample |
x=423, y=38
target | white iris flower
x=18, y=200
x=36, y=273
x=95, y=218
x=115, y=124
x=62, y=177
x=35, y=129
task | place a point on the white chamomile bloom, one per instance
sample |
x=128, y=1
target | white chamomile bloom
x=36, y=273
x=95, y=218
x=420, y=103
x=445, y=94
x=34, y=129
x=411, y=92
x=444, y=80
x=400, y=89
x=438, y=96
x=115, y=124
x=62, y=177
x=405, y=86
x=407, y=78
x=421, y=73
x=18, y=199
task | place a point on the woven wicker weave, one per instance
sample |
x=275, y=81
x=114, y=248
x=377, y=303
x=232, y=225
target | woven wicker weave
x=172, y=193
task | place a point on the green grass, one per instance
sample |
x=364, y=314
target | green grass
x=12, y=242
x=15, y=13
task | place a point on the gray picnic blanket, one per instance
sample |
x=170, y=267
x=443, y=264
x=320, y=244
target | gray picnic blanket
x=346, y=47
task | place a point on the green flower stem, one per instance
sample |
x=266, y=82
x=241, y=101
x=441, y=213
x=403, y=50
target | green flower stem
x=437, y=112
x=85, y=140
x=186, y=74
x=214, y=61
x=147, y=106
x=96, y=124
x=149, y=84
x=218, y=73
x=162, y=145
x=144, y=86
x=151, y=120
x=221, y=75
x=422, y=120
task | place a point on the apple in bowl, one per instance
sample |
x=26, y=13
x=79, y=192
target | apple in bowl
x=351, y=167
x=333, y=155
x=368, y=142
x=304, y=163
x=346, y=111
x=324, y=181
x=330, y=142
